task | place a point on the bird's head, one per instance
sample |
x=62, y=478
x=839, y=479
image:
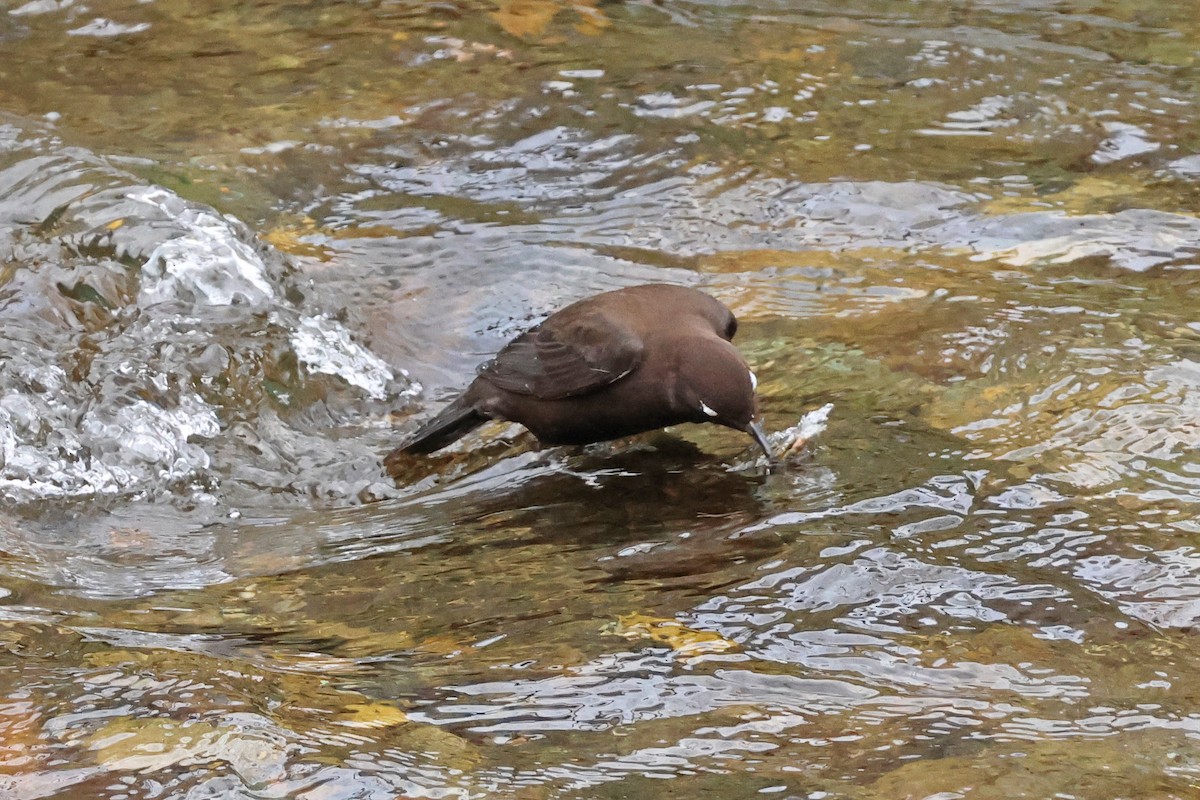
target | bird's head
x=714, y=384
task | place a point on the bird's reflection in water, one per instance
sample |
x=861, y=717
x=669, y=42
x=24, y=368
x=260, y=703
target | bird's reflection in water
x=660, y=507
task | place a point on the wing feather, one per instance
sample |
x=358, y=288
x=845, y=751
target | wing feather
x=556, y=360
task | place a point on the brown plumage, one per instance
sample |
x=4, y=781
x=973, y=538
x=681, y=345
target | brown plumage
x=612, y=365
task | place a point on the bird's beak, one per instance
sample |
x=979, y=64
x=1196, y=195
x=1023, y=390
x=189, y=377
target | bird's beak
x=755, y=430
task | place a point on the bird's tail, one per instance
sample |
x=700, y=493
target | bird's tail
x=452, y=423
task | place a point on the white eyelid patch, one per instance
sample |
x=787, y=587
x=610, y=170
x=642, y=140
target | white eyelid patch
x=704, y=407
x=753, y=381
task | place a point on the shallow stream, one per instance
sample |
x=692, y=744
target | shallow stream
x=245, y=246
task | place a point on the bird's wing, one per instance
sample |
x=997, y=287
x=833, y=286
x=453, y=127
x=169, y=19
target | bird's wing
x=556, y=360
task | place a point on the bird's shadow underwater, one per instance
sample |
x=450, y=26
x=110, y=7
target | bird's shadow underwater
x=659, y=506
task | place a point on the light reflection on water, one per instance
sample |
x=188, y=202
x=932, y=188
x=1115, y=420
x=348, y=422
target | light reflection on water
x=971, y=230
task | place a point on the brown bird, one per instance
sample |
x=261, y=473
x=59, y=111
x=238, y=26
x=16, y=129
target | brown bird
x=612, y=365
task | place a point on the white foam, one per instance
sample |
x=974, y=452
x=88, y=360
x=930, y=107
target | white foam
x=206, y=264
x=105, y=28
x=132, y=447
x=323, y=345
x=35, y=7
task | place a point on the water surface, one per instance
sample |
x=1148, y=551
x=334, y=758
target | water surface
x=245, y=247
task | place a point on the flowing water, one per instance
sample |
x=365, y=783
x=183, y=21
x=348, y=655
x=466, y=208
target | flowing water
x=246, y=246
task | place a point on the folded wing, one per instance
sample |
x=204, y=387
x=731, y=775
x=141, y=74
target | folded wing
x=552, y=361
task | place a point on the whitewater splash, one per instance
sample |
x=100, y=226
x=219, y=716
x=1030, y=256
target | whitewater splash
x=155, y=348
